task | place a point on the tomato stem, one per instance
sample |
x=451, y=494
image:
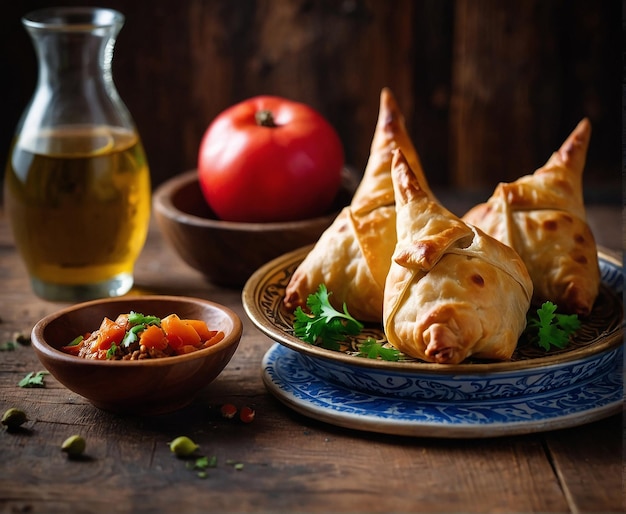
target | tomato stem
x=265, y=118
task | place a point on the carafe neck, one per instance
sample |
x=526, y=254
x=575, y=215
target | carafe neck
x=74, y=48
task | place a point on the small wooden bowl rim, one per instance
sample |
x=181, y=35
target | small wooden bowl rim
x=230, y=338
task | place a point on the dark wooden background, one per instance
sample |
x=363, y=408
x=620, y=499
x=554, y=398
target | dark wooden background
x=489, y=88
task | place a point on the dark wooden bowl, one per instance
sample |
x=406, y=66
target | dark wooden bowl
x=227, y=252
x=141, y=387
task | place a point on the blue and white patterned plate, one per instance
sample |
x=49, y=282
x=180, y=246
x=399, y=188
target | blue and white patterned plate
x=287, y=376
x=533, y=391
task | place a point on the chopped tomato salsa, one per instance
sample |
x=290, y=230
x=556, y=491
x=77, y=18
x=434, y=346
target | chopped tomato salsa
x=134, y=336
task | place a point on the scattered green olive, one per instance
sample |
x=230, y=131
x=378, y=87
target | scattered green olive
x=13, y=418
x=183, y=446
x=74, y=446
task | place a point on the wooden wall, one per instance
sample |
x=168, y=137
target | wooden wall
x=489, y=88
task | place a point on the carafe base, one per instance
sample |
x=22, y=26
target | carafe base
x=116, y=286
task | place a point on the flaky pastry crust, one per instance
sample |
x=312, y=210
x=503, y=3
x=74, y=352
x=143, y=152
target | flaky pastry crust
x=452, y=291
x=352, y=257
x=542, y=216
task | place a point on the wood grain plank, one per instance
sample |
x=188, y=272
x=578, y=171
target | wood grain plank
x=290, y=462
x=488, y=88
x=591, y=474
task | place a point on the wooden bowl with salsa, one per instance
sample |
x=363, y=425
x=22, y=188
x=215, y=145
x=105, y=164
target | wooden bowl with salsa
x=164, y=376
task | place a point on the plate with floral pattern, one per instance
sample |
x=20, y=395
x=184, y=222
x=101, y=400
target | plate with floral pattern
x=584, y=374
x=287, y=376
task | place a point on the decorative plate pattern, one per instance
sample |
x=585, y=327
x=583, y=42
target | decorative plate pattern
x=263, y=301
x=460, y=387
x=535, y=391
x=287, y=376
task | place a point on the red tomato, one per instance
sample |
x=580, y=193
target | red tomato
x=270, y=159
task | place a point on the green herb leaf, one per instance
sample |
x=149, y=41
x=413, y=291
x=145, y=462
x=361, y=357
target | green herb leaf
x=76, y=341
x=33, y=379
x=203, y=462
x=8, y=346
x=111, y=351
x=550, y=328
x=138, y=323
x=132, y=335
x=372, y=349
x=325, y=326
x=136, y=318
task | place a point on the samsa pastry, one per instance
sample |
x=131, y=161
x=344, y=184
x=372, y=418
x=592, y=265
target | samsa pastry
x=352, y=257
x=542, y=216
x=452, y=291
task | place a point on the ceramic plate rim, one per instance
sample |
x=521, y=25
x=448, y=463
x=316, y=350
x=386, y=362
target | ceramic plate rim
x=367, y=421
x=259, y=279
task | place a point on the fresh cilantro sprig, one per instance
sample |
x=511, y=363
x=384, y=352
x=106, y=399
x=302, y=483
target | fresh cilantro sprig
x=33, y=379
x=325, y=326
x=136, y=318
x=111, y=351
x=138, y=323
x=548, y=328
x=132, y=335
x=373, y=349
x=201, y=464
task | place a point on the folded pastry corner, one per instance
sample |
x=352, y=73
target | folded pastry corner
x=376, y=188
x=542, y=216
x=352, y=257
x=452, y=291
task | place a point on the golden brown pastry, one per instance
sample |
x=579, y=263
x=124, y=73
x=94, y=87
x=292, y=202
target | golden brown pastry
x=451, y=291
x=542, y=216
x=352, y=257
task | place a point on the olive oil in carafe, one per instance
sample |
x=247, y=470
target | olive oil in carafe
x=78, y=199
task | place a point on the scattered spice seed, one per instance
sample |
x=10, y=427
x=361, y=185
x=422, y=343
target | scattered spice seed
x=74, y=446
x=22, y=339
x=13, y=418
x=18, y=339
x=235, y=464
x=183, y=446
x=228, y=410
x=247, y=414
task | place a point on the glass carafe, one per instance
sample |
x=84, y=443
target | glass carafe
x=77, y=184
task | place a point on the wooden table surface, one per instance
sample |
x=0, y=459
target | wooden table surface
x=288, y=462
